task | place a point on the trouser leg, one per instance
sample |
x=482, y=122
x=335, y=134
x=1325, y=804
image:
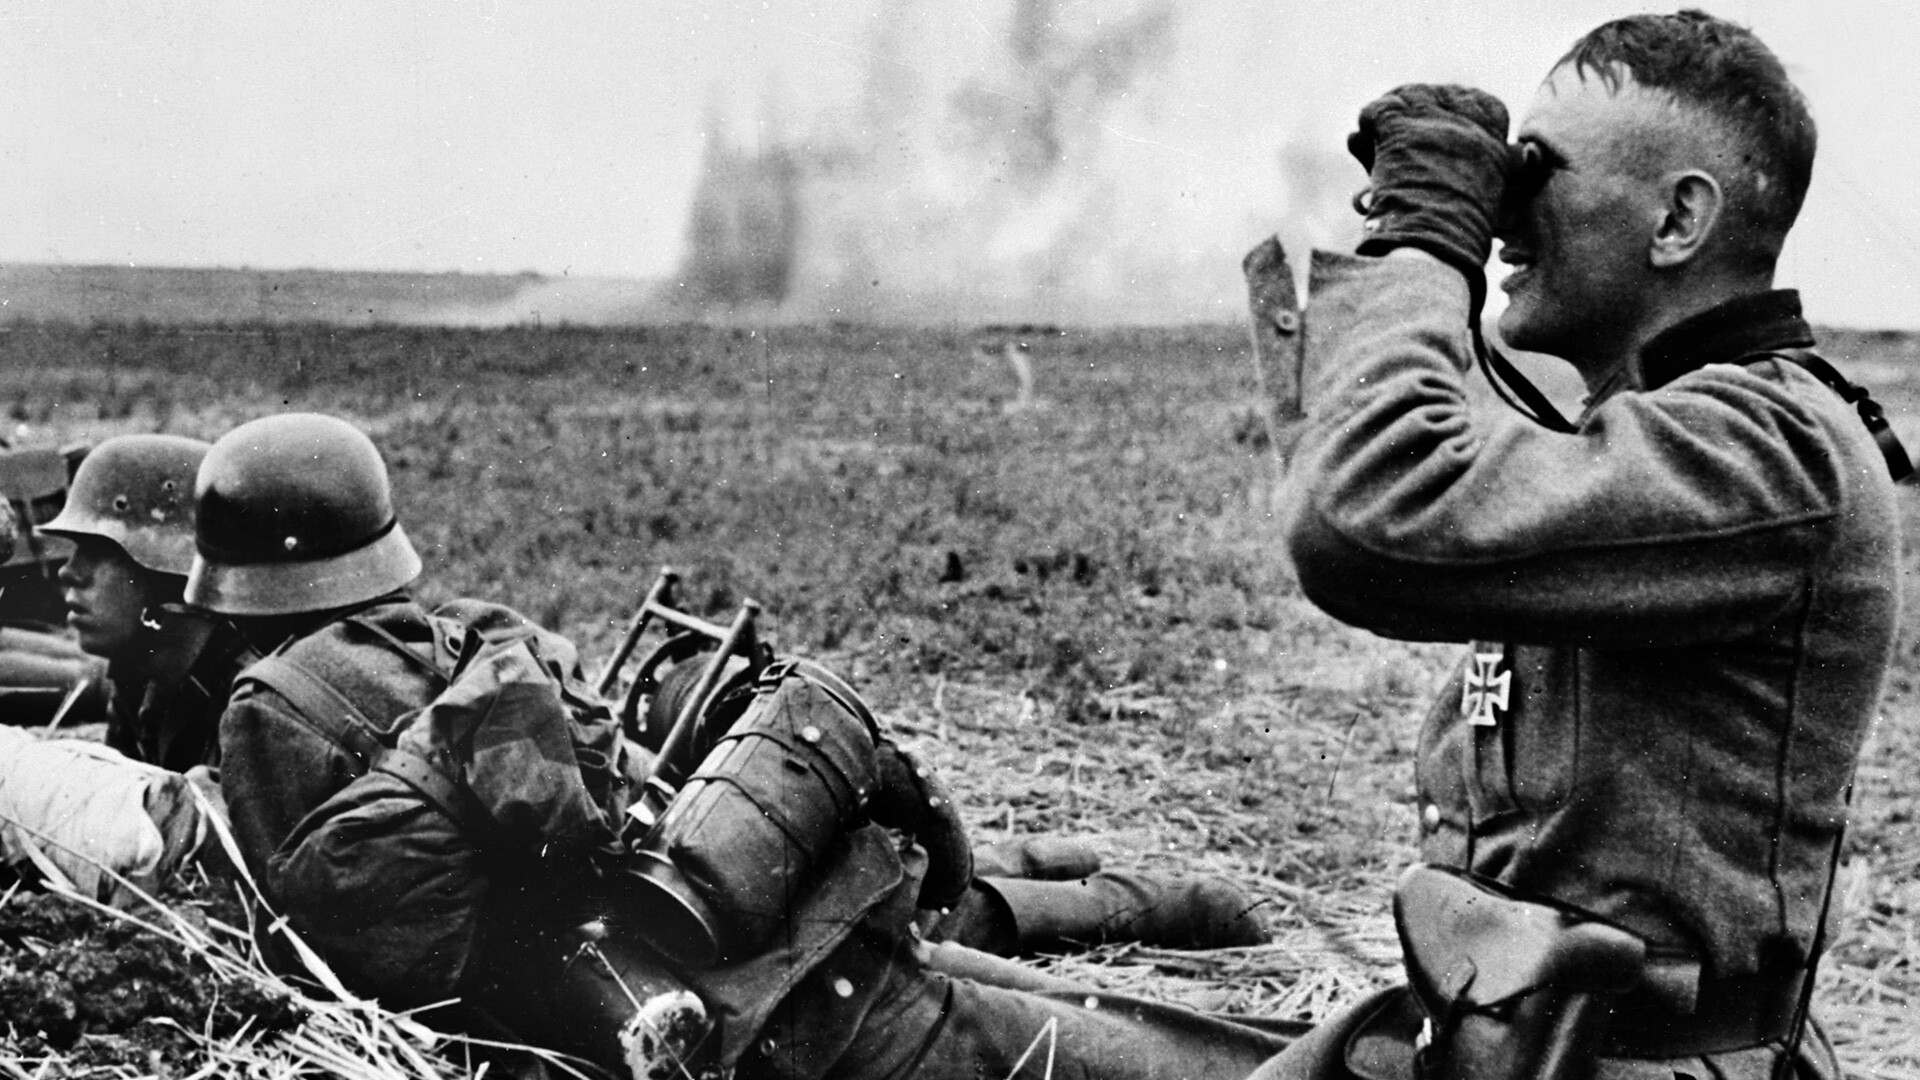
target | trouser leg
x=1390, y=1021
x=1013, y=916
x=891, y=1018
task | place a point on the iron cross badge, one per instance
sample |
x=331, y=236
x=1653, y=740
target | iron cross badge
x=1483, y=697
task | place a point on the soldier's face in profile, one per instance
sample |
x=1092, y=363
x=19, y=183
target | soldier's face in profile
x=1578, y=242
x=106, y=592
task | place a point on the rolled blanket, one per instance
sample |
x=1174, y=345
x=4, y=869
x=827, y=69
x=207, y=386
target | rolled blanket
x=79, y=812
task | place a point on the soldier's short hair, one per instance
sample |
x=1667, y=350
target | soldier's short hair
x=1722, y=69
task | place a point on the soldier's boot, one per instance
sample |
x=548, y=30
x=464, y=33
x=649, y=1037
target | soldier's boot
x=1015, y=917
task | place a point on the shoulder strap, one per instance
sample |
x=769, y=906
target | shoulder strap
x=434, y=785
x=320, y=705
x=833, y=685
x=1899, y=465
x=442, y=649
x=1507, y=381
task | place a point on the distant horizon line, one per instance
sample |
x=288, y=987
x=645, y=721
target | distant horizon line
x=7, y=263
x=534, y=316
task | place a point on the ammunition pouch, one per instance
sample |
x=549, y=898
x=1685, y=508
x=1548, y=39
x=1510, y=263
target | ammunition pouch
x=1503, y=986
x=1511, y=987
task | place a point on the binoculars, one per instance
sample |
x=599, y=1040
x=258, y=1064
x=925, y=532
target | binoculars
x=1528, y=166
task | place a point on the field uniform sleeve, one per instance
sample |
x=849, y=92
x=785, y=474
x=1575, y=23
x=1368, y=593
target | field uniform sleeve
x=1682, y=516
x=274, y=769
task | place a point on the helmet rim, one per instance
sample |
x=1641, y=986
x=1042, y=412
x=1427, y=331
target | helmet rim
x=136, y=491
x=385, y=565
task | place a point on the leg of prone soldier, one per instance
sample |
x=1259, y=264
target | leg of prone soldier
x=1039, y=894
x=298, y=544
x=1675, y=601
x=826, y=975
x=1052, y=895
x=40, y=671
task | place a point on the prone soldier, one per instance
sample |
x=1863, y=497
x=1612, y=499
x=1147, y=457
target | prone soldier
x=169, y=671
x=1033, y=895
x=299, y=546
x=158, y=674
x=42, y=672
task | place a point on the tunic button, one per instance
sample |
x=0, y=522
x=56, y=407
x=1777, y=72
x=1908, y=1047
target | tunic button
x=1430, y=817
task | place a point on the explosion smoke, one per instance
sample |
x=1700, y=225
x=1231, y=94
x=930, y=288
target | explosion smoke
x=994, y=199
x=743, y=225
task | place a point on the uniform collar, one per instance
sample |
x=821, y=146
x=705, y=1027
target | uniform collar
x=1760, y=322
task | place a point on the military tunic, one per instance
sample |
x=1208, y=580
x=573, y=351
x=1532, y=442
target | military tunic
x=1681, y=613
x=278, y=764
x=175, y=723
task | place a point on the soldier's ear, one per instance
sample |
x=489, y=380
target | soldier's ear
x=1693, y=201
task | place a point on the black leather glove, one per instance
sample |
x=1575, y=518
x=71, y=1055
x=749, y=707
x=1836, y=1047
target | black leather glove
x=911, y=798
x=1437, y=159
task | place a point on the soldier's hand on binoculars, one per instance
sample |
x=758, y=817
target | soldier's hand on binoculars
x=1437, y=161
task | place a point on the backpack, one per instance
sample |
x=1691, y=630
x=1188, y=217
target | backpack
x=488, y=798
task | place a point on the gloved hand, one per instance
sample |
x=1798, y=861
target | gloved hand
x=911, y=798
x=1437, y=159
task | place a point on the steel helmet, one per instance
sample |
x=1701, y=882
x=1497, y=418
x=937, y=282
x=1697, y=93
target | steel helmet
x=295, y=514
x=137, y=491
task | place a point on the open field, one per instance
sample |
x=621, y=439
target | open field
x=1077, y=610
x=175, y=296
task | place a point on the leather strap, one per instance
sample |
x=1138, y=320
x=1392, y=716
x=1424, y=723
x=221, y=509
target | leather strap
x=1507, y=381
x=443, y=791
x=1899, y=464
x=323, y=707
x=443, y=648
x=832, y=685
x=320, y=705
x=1674, y=1013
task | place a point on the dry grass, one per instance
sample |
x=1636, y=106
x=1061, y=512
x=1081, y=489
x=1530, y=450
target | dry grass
x=1333, y=939
x=1124, y=656
x=335, y=1033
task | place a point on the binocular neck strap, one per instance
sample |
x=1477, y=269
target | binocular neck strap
x=1509, y=383
x=1899, y=464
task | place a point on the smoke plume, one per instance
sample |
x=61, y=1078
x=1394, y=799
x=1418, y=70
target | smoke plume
x=994, y=195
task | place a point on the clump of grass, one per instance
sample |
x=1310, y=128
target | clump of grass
x=253, y=1021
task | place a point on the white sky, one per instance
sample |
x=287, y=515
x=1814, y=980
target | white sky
x=564, y=136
